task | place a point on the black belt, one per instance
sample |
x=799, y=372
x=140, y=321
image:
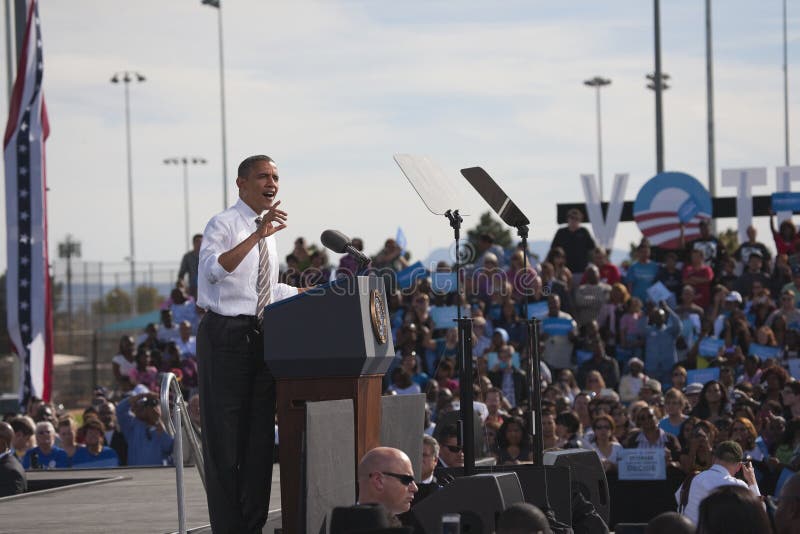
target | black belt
x=252, y=319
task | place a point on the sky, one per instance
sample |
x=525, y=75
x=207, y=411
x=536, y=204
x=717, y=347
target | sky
x=331, y=90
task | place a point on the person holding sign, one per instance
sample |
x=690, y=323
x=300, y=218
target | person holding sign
x=728, y=460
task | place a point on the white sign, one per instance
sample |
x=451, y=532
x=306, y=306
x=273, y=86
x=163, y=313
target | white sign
x=744, y=180
x=604, y=228
x=642, y=464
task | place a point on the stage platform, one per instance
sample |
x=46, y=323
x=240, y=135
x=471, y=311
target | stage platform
x=141, y=500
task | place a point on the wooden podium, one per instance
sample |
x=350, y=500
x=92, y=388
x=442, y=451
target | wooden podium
x=332, y=342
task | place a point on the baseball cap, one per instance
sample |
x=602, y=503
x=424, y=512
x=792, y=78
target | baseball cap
x=653, y=384
x=503, y=334
x=693, y=389
x=635, y=360
x=734, y=296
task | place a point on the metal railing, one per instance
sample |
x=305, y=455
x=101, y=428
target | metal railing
x=175, y=416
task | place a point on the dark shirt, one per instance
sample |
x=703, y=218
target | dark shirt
x=709, y=246
x=744, y=285
x=671, y=280
x=189, y=265
x=742, y=254
x=607, y=367
x=576, y=245
x=12, y=476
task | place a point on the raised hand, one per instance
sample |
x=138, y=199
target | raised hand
x=273, y=220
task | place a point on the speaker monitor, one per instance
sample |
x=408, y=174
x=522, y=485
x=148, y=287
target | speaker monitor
x=587, y=474
x=478, y=498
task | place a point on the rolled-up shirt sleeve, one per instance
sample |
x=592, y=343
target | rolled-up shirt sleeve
x=282, y=291
x=214, y=245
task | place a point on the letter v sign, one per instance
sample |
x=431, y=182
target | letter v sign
x=604, y=228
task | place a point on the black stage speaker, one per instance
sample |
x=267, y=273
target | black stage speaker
x=479, y=499
x=555, y=490
x=588, y=476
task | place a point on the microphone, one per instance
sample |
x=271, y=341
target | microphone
x=338, y=242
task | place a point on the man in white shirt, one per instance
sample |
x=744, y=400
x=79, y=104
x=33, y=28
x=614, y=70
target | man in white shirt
x=727, y=462
x=238, y=276
x=186, y=343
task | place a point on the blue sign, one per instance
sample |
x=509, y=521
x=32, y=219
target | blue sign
x=583, y=356
x=492, y=358
x=443, y=283
x=668, y=200
x=556, y=326
x=445, y=316
x=409, y=276
x=786, y=201
x=702, y=376
x=764, y=351
x=537, y=310
x=688, y=210
x=709, y=347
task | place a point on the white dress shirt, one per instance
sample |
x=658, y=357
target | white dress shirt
x=235, y=293
x=706, y=482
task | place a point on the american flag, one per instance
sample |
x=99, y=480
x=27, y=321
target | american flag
x=30, y=324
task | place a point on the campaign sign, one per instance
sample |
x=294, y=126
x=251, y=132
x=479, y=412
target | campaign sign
x=764, y=351
x=688, y=210
x=667, y=201
x=786, y=201
x=709, y=347
x=583, y=356
x=658, y=292
x=556, y=326
x=794, y=368
x=443, y=283
x=492, y=358
x=445, y=316
x=409, y=276
x=642, y=464
x=702, y=376
x=537, y=310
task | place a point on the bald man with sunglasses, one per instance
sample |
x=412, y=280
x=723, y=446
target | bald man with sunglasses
x=385, y=477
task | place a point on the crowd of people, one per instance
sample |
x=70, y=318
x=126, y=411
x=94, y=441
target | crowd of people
x=680, y=349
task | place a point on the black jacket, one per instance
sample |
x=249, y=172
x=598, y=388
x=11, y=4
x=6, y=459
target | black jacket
x=12, y=476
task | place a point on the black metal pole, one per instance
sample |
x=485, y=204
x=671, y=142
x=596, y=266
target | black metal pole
x=467, y=433
x=657, y=82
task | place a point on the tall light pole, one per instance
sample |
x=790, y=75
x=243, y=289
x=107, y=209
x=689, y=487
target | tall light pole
x=785, y=88
x=657, y=79
x=69, y=249
x=126, y=77
x=712, y=184
x=217, y=4
x=597, y=82
x=185, y=161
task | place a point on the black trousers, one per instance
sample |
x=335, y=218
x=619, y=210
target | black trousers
x=237, y=409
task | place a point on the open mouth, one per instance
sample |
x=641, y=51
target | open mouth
x=270, y=194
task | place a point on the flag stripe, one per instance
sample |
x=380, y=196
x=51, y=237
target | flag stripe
x=27, y=282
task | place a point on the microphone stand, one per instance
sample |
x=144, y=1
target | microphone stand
x=467, y=426
x=533, y=366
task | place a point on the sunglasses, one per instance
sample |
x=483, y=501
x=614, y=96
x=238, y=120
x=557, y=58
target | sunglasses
x=404, y=479
x=602, y=427
x=454, y=448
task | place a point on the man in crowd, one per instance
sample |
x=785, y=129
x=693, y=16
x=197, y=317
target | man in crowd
x=23, y=427
x=45, y=455
x=95, y=454
x=112, y=436
x=590, y=296
x=168, y=331
x=238, y=277
x=385, y=477
x=522, y=518
x=12, y=475
x=139, y=419
x=608, y=367
x=557, y=351
x=451, y=454
x=189, y=265
x=427, y=480
x=661, y=327
x=510, y=380
x=742, y=253
x=186, y=343
x=754, y=272
x=577, y=243
x=728, y=460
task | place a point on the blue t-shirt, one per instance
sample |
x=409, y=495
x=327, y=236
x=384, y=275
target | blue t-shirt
x=666, y=426
x=640, y=277
x=84, y=459
x=56, y=459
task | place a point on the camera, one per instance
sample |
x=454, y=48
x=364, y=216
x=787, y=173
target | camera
x=151, y=402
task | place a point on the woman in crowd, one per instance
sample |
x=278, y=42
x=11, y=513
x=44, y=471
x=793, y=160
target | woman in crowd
x=594, y=382
x=568, y=384
x=773, y=380
x=550, y=439
x=744, y=433
x=713, y=402
x=604, y=444
x=630, y=334
x=610, y=316
x=674, y=404
x=785, y=236
x=752, y=370
x=679, y=377
x=512, y=446
x=145, y=372
x=444, y=375
x=558, y=258
x=790, y=396
x=622, y=423
x=123, y=363
x=698, y=456
x=581, y=408
x=568, y=429
x=95, y=454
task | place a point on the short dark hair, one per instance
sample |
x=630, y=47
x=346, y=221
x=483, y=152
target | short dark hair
x=570, y=420
x=247, y=164
x=670, y=523
x=732, y=510
x=522, y=517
